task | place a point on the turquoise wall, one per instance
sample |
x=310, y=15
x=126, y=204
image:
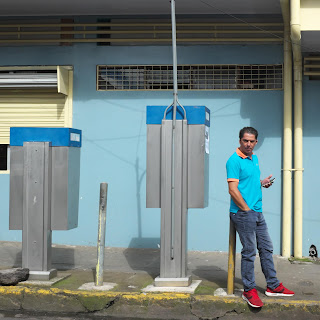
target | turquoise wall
x=114, y=144
x=311, y=156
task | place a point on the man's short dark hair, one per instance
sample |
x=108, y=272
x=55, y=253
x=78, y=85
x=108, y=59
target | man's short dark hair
x=249, y=130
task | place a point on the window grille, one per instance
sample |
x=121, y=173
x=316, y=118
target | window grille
x=189, y=77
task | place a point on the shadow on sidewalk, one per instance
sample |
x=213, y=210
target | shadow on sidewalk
x=144, y=259
x=215, y=275
x=218, y=276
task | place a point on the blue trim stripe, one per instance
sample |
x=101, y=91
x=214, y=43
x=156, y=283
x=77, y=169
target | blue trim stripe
x=59, y=137
x=195, y=114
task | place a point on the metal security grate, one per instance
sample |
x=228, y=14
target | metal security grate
x=190, y=77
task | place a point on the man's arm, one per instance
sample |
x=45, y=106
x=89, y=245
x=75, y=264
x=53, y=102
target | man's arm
x=236, y=195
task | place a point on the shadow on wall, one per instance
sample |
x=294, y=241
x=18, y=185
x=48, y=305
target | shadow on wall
x=147, y=260
x=266, y=114
x=262, y=110
x=311, y=110
x=10, y=254
x=62, y=258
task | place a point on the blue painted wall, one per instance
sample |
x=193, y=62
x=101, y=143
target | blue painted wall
x=311, y=154
x=114, y=144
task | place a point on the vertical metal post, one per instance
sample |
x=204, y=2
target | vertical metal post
x=174, y=54
x=166, y=239
x=173, y=266
x=101, y=233
x=180, y=226
x=174, y=116
x=231, y=258
x=36, y=229
x=174, y=194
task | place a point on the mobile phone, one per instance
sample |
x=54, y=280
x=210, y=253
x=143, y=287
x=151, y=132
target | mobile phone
x=271, y=181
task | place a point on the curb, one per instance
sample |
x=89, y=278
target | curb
x=124, y=304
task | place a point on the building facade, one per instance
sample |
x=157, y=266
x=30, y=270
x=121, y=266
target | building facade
x=106, y=80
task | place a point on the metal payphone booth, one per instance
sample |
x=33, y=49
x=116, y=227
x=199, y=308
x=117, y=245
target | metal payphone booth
x=187, y=157
x=44, y=191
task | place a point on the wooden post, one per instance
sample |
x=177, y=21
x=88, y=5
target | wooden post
x=231, y=258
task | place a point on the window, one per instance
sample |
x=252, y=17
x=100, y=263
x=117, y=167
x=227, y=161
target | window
x=4, y=157
x=190, y=77
x=35, y=96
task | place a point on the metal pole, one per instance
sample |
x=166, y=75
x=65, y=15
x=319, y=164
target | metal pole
x=174, y=54
x=287, y=134
x=36, y=230
x=174, y=116
x=231, y=258
x=101, y=233
x=298, y=128
x=174, y=135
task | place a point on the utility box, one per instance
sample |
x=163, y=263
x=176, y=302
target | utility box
x=64, y=165
x=177, y=179
x=44, y=191
x=198, y=123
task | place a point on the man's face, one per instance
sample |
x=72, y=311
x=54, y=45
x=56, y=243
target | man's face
x=247, y=144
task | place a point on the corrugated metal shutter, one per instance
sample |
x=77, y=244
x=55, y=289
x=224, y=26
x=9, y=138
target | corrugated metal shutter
x=31, y=108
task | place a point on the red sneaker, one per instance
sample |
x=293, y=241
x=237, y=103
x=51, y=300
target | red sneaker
x=280, y=291
x=252, y=298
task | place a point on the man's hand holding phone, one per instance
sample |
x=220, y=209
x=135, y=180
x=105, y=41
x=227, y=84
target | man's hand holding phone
x=267, y=182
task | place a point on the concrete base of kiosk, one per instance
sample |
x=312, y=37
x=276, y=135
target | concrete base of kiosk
x=42, y=275
x=172, y=282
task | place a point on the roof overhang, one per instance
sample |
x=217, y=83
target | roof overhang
x=137, y=7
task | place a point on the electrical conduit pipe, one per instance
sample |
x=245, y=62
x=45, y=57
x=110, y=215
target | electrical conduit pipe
x=287, y=134
x=298, y=133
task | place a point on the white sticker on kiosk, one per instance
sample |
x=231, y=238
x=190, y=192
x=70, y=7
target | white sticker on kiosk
x=206, y=134
x=75, y=137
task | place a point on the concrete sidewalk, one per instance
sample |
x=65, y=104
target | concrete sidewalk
x=134, y=269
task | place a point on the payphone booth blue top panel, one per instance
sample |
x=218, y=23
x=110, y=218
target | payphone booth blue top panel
x=59, y=137
x=194, y=114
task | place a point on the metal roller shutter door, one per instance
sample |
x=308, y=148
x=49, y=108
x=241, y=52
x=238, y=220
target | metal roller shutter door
x=23, y=108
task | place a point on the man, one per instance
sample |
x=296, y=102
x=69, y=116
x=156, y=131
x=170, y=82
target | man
x=244, y=183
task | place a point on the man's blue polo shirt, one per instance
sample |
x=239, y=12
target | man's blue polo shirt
x=246, y=171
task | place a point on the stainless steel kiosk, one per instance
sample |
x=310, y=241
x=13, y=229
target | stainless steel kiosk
x=186, y=188
x=44, y=191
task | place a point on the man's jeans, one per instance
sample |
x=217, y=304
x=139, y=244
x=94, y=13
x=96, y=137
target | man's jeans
x=253, y=233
